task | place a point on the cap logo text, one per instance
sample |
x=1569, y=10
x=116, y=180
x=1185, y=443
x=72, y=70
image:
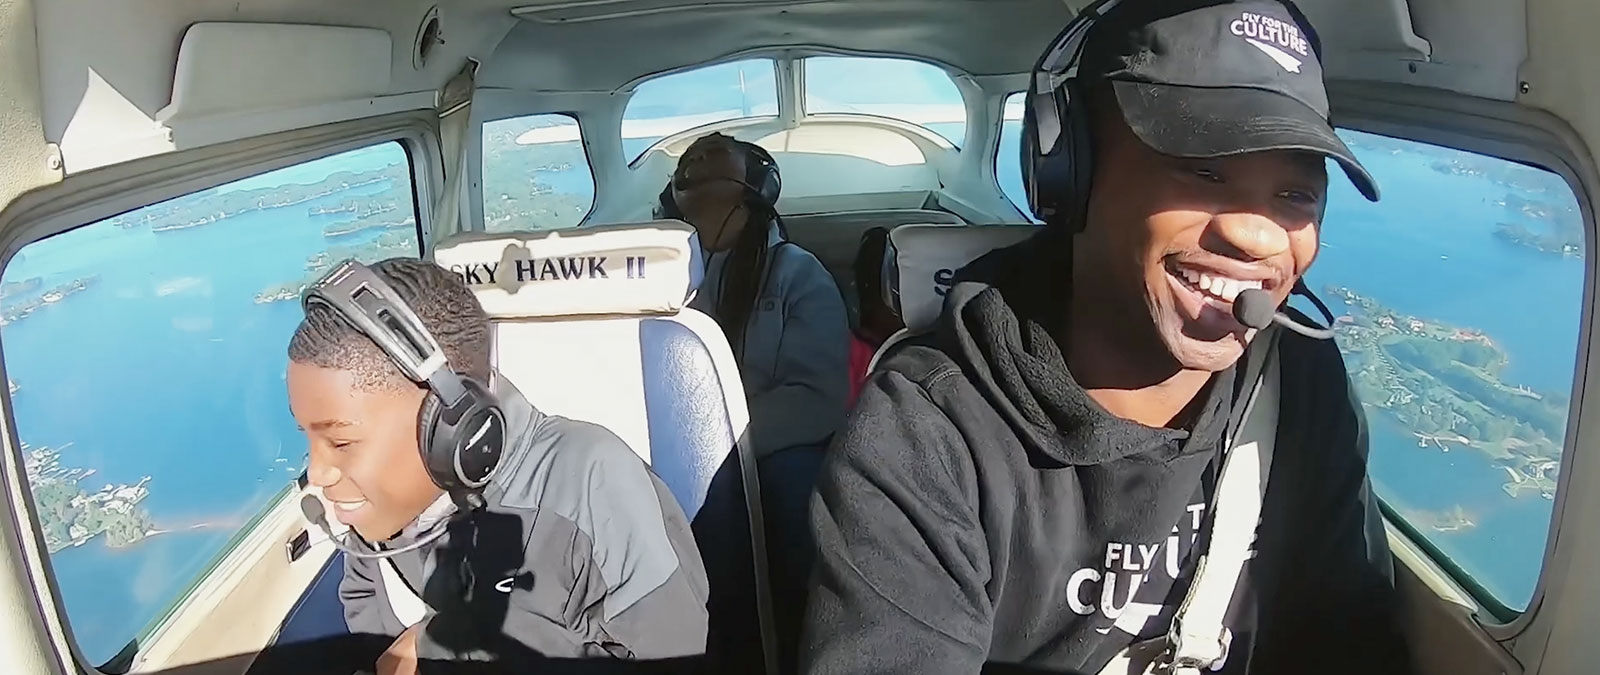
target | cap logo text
x=1273, y=37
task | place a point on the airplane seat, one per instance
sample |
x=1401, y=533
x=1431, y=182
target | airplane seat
x=593, y=324
x=920, y=262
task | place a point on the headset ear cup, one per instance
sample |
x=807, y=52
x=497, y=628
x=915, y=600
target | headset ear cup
x=427, y=435
x=668, y=205
x=462, y=445
x=1078, y=158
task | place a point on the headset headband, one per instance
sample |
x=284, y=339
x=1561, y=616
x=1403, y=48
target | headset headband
x=1059, y=63
x=363, y=298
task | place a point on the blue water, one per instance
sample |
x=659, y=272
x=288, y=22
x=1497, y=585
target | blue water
x=165, y=367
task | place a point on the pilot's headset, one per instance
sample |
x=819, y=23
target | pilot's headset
x=1056, y=160
x=461, y=428
x=762, y=182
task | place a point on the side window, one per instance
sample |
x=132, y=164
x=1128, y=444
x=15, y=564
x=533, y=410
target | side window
x=146, y=354
x=536, y=175
x=1008, y=157
x=910, y=91
x=684, y=100
x=1458, y=299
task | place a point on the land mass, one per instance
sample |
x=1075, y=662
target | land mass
x=21, y=299
x=517, y=191
x=1444, y=383
x=71, y=516
x=383, y=246
x=1453, y=519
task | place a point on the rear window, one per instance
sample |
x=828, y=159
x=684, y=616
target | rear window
x=687, y=99
x=910, y=91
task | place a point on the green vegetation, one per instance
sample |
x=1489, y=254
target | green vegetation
x=386, y=245
x=518, y=190
x=1444, y=384
x=71, y=516
x=22, y=299
x=213, y=205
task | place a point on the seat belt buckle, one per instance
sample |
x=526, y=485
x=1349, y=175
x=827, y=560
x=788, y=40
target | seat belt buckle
x=1180, y=658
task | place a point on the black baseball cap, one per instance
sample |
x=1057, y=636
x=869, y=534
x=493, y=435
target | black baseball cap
x=1210, y=78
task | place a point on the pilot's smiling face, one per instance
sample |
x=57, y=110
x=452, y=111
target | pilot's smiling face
x=1179, y=238
x=363, y=448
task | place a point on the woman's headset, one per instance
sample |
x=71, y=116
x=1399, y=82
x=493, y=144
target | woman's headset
x=460, y=429
x=1057, y=163
x=762, y=182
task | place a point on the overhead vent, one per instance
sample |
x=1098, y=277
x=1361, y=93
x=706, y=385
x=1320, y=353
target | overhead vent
x=428, y=37
x=227, y=68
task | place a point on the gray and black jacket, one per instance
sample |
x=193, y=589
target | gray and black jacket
x=580, y=552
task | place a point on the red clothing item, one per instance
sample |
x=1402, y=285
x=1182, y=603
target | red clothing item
x=861, y=351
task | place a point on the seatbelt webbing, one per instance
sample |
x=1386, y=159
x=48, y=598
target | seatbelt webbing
x=1198, y=638
x=403, y=601
x=455, y=112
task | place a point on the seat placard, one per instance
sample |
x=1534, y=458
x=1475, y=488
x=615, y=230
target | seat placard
x=640, y=269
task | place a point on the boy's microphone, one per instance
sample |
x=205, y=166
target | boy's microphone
x=314, y=511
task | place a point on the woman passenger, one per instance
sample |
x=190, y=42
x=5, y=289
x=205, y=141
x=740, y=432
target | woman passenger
x=785, y=319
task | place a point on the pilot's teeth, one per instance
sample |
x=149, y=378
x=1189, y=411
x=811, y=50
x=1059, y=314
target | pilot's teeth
x=1231, y=288
x=1205, y=281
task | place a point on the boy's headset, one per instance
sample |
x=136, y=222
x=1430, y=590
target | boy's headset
x=1056, y=146
x=460, y=429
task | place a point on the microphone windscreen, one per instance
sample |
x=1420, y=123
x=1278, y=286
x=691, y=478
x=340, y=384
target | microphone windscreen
x=1254, y=308
x=313, y=510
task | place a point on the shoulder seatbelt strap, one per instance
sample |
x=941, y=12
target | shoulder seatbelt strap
x=455, y=112
x=403, y=601
x=1197, y=639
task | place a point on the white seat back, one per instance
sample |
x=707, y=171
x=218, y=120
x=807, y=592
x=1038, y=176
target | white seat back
x=920, y=263
x=593, y=324
x=921, y=260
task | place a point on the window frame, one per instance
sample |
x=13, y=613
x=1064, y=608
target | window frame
x=1505, y=131
x=992, y=156
x=84, y=200
x=480, y=223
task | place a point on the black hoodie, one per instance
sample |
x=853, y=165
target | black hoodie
x=981, y=512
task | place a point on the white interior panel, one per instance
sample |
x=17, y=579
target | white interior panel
x=236, y=67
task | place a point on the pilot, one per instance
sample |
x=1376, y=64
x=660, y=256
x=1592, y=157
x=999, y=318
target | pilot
x=597, y=557
x=1028, y=483
x=784, y=318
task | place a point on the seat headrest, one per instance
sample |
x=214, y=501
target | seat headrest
x=921, y=260
x=607, y=270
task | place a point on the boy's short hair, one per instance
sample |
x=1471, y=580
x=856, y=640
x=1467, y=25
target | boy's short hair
x=447, y=308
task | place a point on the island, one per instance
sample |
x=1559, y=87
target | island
x=215, y=205
x=1453, y=519
x=1444, y=384
x=520, y=181
x=70, y=516
x=30, y=297
x=386, y=245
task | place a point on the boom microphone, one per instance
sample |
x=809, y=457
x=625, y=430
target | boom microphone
x=1254, y=308
x=314, y=511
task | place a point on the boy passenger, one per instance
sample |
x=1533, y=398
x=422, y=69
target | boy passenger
x=1025, y=485
x=595, y=557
